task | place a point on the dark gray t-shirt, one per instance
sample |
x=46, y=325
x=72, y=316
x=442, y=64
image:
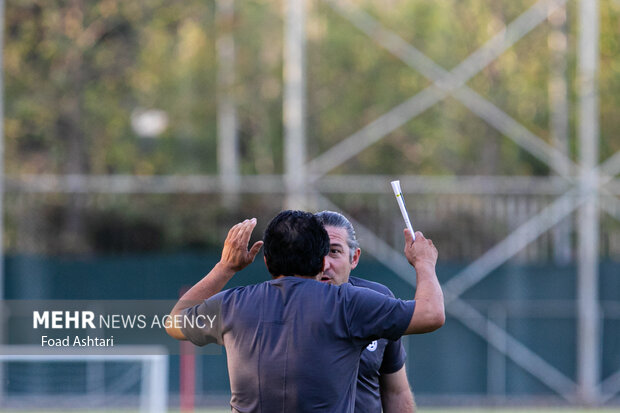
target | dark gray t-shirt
x=382, y=356
x=293, y=344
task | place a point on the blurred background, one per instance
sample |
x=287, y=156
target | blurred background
x=136, y=133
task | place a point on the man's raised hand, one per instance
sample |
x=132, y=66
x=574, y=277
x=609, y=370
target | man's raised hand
x=235, y=254
x=429, y=313
x=420, y=251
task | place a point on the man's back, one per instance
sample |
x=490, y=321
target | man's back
x=293, y=344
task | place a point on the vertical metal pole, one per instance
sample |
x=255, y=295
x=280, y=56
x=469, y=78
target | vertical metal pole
x=496, y=360
x=1, y=161
x=295, y=104
x=154, y=392
x=228, y=147
x=588, y=369
x=2, y=311
x=558, y=102
x=95, y=374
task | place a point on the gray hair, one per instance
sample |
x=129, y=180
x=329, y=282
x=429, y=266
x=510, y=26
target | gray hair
x=336, y=219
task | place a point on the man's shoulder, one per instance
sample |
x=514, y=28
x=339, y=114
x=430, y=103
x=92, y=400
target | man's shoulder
x=283, y=286
x=360, y=282
x=243, y=291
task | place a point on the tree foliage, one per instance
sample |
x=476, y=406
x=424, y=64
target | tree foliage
x=76, y=71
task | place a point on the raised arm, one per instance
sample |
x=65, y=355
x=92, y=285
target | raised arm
x=429, y=313
x=235, y=257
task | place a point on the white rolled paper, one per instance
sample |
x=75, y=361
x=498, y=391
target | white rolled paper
x=401, y=204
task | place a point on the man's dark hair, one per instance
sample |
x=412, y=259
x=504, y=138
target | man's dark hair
x=295, y=244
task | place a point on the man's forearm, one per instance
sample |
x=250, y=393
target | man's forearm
x=428, y=288
x=396, y=395
x=235, y=257
x=429, y=313
x=210, y=285
x=398, y=403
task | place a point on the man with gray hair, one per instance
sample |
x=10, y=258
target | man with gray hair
x=382, y=378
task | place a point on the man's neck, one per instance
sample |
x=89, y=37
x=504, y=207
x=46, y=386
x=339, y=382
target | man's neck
x=311, y=277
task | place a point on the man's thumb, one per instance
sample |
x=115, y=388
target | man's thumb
x=408, y=237
x=255, y=248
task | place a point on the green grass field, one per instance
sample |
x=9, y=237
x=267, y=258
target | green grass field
x=420, y=410
x=511, y=410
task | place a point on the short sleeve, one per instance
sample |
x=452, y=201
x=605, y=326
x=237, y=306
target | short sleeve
x=202, y=323
x=394, y=357
x=372, y=315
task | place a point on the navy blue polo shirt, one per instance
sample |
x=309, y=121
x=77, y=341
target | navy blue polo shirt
x=382, y=356
x=294, y=344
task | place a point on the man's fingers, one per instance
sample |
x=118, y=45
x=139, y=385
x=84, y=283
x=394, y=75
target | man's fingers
x=246, y=231
x=231, y=231
x=234, y=231
x=240, y=233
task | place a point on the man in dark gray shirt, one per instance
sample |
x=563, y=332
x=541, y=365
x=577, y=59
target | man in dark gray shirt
x=293, y=344
x=382, y=383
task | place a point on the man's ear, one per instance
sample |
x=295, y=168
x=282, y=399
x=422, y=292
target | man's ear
x=356, y=258
x=323, y=265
